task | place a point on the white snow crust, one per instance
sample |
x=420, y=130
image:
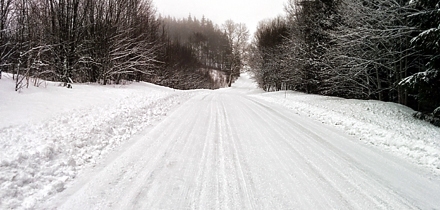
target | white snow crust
x=388, y=126
x=142, y=146
x=49, y=134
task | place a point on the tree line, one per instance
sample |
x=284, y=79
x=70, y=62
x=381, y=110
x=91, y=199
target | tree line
x=79, y=40
x=194, y=45
x=109, y=41
x=385, y=50
x=221, y=48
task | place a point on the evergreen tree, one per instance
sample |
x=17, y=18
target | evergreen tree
x=426, y=82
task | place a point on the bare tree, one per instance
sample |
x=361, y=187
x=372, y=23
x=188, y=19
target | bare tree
x=5, y=46
x=238, y=36
x=370, y=50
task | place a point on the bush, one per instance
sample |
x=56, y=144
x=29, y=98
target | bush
x=436, y=112
x=429, y=117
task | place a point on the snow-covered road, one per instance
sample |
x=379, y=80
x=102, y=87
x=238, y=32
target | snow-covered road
x=226, y=150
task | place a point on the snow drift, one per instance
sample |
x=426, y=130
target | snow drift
x=49, y=134
x=389, y=126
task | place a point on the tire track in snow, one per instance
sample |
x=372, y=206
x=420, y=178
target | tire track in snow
x=201, y=183
x=315, y=153
x=318, y=148
x=239, y=162
x=281, y=156
x=222, y=150
x=178, y=152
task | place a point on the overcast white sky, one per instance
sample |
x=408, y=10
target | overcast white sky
x=249, y=12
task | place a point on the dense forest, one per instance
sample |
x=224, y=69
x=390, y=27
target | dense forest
x=194, y=45
x=386, y=50
x=79, y=40
x=111, y=41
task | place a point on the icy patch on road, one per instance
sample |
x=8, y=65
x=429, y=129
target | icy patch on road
x=38, y=158
x=389, y=126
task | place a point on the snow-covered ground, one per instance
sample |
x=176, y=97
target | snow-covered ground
x=141, y=146
x=389, y=126
x=49, y=134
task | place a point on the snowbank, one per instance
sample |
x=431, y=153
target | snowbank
x=50, y=134
x=388, y=126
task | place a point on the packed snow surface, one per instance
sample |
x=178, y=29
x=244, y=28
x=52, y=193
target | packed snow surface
x=388, y=126
x=142, y=146
x=49, y=134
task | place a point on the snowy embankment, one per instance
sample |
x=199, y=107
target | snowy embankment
x=50, y=134
x=388, y=126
